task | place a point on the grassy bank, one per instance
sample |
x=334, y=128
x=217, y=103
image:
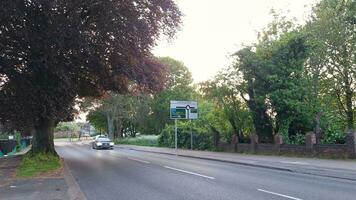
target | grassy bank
x=34, y=165
x=143, y=140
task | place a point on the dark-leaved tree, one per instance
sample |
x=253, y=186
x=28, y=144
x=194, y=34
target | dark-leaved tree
x=53, y=52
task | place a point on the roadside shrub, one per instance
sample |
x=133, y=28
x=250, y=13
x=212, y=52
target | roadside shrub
x=333, y=137
x=202, y=139
x=164, y=139
x=143, y=140
x=297, y=139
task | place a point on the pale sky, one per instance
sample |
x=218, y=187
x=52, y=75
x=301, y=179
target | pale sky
x=214, y=29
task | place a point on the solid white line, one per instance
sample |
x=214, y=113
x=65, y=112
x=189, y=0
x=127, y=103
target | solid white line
x=281, y=195
x=188, y=172
x=138, y=160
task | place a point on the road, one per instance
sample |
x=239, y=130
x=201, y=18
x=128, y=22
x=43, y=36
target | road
x=129, y=175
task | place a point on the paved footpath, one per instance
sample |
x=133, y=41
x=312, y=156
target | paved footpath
x=344, y=169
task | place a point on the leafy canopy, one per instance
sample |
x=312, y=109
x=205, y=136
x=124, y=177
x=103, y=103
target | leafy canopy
x=55, y=51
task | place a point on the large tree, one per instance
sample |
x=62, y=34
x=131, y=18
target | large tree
x=52, y=52
x=223, y=91
x=178, y=86
x=253, y=92
x=273, y=83
x=332, y=32
x=118, y=114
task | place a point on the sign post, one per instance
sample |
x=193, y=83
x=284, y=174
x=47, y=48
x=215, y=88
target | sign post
x=191, y=135
x=175, y=135
x=183, y=110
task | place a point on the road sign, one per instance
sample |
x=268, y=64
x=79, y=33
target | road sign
x=184, y=110
x=178, y=113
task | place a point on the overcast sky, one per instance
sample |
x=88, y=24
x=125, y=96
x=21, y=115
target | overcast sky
x=213, y=29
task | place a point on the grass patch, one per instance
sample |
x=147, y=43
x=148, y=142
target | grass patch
x=33, y=165
x=143, y=140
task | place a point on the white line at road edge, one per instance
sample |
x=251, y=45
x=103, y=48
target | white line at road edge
x=281, y=195
x=138, y=160
x=188, y=172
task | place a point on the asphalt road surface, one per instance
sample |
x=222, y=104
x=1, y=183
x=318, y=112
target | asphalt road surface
x=130, y=175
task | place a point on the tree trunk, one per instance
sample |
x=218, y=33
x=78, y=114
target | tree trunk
x=260, y=118
x=348, y=82
x=118, y=128
x=261, y=121
x=318, y=131
x=349, y=110
x=234, y=128
x=43, y=137
x=110, y=123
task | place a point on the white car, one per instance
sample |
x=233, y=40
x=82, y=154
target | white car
x=102, y=142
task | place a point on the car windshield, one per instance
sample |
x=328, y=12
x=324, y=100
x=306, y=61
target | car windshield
x=103, y=139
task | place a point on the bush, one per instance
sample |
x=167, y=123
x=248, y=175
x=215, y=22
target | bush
x=144, y=140
x=202, y=140
x=297, y=139
x=333, y=137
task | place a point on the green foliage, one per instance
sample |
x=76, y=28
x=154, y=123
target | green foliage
x=178, y=86
x=226, y=106
x=142, y=140
x=332, y=133
x=280, y=85
x=331, y=32
x=120, y=114
x=212, y=118
x=333, y=137
x=297, y=139
x=43, y=73
x=33, y=165
x=98, y=120
x=252, y=89
x=202, y=140
x=67, y=126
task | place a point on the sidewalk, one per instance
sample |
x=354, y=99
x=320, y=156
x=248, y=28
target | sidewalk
x=59, y=185
x=344, y=169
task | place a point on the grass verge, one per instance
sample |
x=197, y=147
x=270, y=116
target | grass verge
x=143, y=140
x=34, y=165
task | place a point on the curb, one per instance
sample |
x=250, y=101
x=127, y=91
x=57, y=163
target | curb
x=325, y=174
x=74, y=191
x=214, y=159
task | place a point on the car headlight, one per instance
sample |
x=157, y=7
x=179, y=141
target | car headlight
x=99, y=144
x=111, y=144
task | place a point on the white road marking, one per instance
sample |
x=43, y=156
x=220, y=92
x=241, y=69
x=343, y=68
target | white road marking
x=138, y=160
x=281, y=195
x=188, y=172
